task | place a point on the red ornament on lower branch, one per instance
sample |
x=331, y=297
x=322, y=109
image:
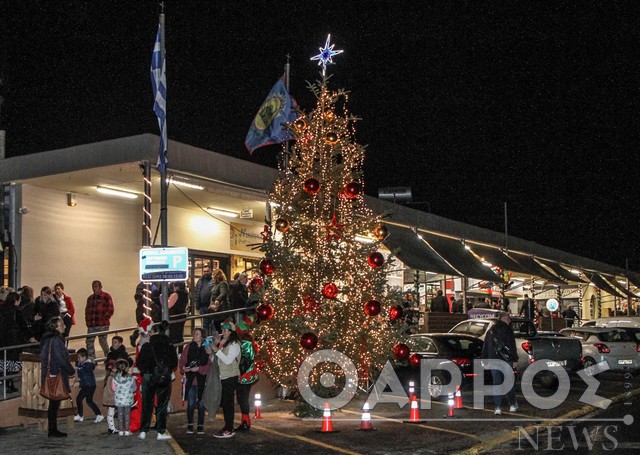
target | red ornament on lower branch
x=330, y=291
x=309, y=341
x=372, y=308
x=401, y=351
x=395, y=312
x=264, y=312
x=267, y=266
x=375, y=260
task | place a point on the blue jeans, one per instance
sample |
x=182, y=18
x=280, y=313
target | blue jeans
x=498, y=378
x=206, y=322
x=192, y=404
x=87, y=392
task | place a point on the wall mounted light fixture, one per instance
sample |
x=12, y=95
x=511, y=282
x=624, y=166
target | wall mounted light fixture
x=71, y=200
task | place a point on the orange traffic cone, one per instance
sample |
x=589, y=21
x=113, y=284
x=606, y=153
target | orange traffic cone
x=327, y=426
x=365, y=423
x=450, y=406
x=458, y=399
x=414, y=415
x=411, y=391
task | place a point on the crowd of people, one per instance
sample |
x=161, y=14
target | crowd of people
x=217, y=365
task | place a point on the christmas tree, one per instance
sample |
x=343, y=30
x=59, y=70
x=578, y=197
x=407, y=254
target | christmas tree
x=323, y=283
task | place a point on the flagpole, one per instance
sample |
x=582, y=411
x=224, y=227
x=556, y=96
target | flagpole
x=285, y=158
x=164, y=287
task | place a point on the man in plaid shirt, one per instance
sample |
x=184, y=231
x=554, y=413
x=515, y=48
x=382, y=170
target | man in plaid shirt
x=97, y=315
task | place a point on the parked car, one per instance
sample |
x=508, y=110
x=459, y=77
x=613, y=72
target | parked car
x=619, y=347
x=555, y=350
x=614, y=321
x=460, y=349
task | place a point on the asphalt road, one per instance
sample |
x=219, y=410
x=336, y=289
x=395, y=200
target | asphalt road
x=470, y=431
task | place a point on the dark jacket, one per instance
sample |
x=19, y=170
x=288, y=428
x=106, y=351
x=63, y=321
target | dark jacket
x=59, y=359
x=439, y=304
x=528, y=309
x=24, y=320
x=503, y=335
x=47, y=311
x=220, y=292
x=196, y=295
x=8, y=330
x=85, y=374
x=238, y=295
x=120, y=353
x=164, y=352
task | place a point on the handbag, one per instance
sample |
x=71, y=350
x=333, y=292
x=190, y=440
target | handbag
x=53, y=386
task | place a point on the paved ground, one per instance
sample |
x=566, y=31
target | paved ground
x=472, y=431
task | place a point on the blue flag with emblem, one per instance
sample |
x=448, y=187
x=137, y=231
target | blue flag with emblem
x=268, y=125
x=159, y=85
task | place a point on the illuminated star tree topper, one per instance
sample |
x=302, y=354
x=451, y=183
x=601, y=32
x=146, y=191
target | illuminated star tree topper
x=326, y=55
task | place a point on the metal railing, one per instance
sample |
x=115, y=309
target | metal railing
x=5, y=377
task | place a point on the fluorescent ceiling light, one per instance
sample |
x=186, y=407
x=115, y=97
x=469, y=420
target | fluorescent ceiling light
x=184, y=183
x=222, y=212
x=487, y=264
x=538, y=282
x=575, y=271
x=364, y=239
x=114, y=192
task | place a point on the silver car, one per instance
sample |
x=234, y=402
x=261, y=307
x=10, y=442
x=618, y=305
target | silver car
x=615, y=346
x=614, y=321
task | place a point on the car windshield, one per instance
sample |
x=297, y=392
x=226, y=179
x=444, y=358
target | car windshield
x=472, y=328
x=463, y=347
x=613, y=336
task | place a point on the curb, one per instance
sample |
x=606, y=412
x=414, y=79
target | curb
x=511, y=435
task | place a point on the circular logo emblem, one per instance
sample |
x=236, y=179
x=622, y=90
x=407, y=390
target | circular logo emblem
x=267, y=113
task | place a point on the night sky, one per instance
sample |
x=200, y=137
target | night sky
x=471, y=104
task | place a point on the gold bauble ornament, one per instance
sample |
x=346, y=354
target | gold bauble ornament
x=300, y=124
x=331, y=138
x=380, y=232
x=282, y=225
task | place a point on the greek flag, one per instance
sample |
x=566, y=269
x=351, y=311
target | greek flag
x=159, y=84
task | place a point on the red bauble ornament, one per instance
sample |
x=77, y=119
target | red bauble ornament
x=352, y=190
x=330, y=290
x=311, y=186
x=401, y=351
x=256, y=284
x=372, y=307
x=310, y=303
x=309, y=341
x=267, y=266
x=395, y=312
x=264, y=312
x=414, y=361
x=375, y=260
